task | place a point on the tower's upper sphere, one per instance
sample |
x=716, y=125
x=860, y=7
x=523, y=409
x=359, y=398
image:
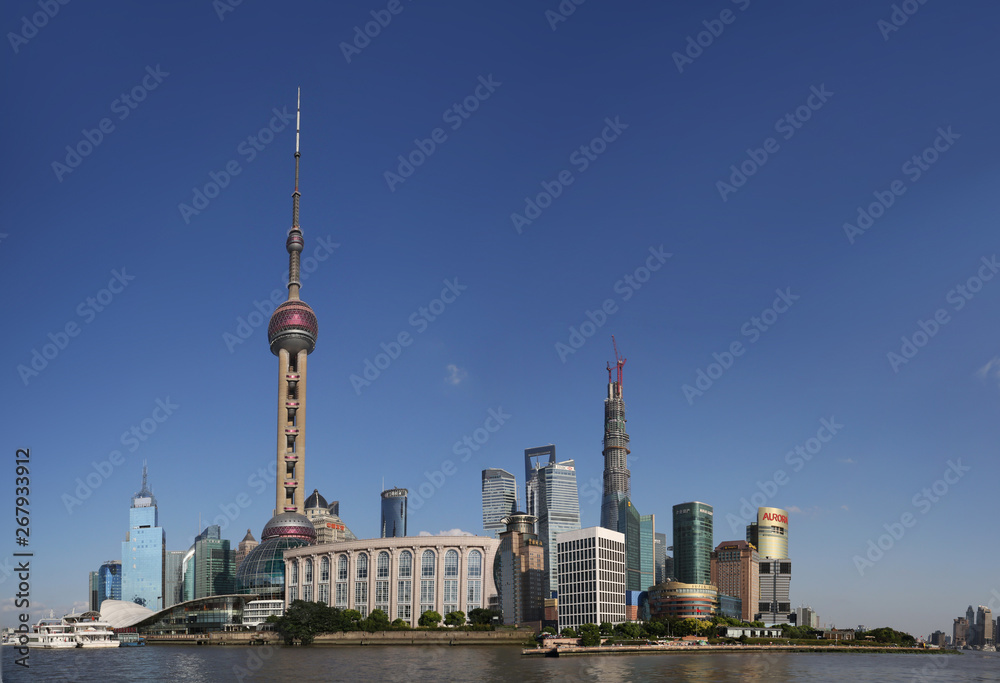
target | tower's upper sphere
x=293, y=327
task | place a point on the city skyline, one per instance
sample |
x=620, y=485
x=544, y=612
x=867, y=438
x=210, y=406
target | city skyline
x=776, y=358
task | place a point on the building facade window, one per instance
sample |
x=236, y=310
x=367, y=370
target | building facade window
x=405, y=564
x=342, y=594
x=293, y=577
x=324, y=569
x=342, y=568
x=309, y=571
x=404, y=600
x=361, y=571
x=427, y=565
x=324, y=593
x=451, y=564
x=382, y=595
x=307, y=592
x=450, y=597
x=426, y=595
x=382, y=566
x=475, y=564
x=474, y=599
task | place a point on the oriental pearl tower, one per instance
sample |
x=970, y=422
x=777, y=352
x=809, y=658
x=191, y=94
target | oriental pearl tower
x=292, y=335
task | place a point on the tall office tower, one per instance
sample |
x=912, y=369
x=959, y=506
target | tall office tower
x=499, y=499
x=394, y=513
x=629, y=524
x=647, y=557
x=660, y=556
x=109, y=582
x=534, y=460
x=971, y=637
x=243, y=549
x=553, y=499
x=735, y=572
x=774, y=606
x=144, y=552
x=519, y=571
x=92, y=604
x=291, y=334
x=591, y=564
x=617, y=483
x=213, y=564
x=960, y=632
x=173, y=581
x=984, y=626
x=693, y=523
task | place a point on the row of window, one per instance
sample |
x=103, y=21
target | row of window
x=428, y=562
x=404, y=596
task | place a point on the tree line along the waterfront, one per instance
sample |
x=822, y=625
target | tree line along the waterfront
x=303, y=621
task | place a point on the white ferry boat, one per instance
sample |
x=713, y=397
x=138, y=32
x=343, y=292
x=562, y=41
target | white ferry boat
x=52, y=634
x=90, y=631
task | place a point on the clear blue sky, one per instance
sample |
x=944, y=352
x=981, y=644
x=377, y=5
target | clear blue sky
x=198, y=89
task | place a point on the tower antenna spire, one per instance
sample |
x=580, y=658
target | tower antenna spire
x=295, y=243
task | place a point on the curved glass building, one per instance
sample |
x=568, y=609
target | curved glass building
x=393, y=513
x=262, y=571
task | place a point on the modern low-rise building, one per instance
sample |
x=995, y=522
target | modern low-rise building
x=683, y=600
x=735, y=572
x=404, y=576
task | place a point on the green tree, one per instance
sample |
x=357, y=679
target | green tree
x=568, y=633
x=483, y=617
x=590, y=635
x=606, y=628
x=349, y=620
x=430, y=618
x=631, y=630
x=301, y=622
x=400, y=625
x=377, y=621
x=456, y=618
x=549, y=630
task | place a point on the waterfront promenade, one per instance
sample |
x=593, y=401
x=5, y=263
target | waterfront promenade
x=693, y=648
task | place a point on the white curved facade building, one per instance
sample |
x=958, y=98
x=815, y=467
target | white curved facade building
x=403, y=576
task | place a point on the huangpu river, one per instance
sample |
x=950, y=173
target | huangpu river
x=224, y=664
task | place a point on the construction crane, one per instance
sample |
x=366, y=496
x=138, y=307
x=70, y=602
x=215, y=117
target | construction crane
x=619, y=365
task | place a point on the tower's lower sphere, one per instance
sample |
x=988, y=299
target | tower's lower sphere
x=262, y=572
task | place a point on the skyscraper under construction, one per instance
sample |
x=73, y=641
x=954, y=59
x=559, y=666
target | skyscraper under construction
x=617, y=485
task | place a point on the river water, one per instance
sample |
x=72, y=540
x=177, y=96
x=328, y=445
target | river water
x=222, y=664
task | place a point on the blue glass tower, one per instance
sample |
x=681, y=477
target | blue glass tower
x=109, y=582
x=552, y=498
x=499, y=499
x=394, y=513
x=144, y=551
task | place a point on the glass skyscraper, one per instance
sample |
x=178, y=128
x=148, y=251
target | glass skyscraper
x=109, y=582
x=499, y=500
x=693, y=524
x=394, y=513
x=553, y=499
x=647, y=553
x=144, y=552
x=173, y=580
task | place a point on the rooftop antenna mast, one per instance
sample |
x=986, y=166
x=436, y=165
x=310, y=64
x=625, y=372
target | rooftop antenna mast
x=619, y=366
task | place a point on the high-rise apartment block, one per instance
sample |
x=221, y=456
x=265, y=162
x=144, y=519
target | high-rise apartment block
x=693, y=524
x=144, y=552
x=499, y=499
x=735, y=573
x=519, y=571
x=591, y=564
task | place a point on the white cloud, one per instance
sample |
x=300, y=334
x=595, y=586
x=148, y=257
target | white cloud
x=795, y=508
x=847, y=461
x=450, y=532
x=991, y=370
x=455, y=374
x=845, y=508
